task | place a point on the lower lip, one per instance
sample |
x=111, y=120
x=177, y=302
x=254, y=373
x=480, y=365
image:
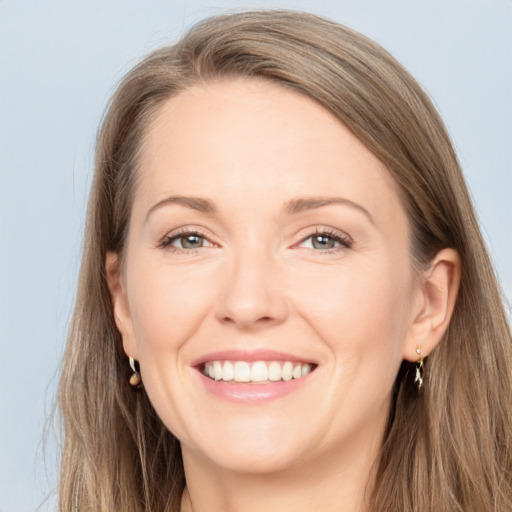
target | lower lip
x=246, y=392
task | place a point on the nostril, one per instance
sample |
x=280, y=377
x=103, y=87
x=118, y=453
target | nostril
x=248, y=322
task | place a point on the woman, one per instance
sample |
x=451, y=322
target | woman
x=285, y=300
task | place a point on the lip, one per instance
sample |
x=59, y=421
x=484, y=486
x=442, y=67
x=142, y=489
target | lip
x=251, y=393
x=250, y=356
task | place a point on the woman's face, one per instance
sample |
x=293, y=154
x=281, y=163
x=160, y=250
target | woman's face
x=267, y=249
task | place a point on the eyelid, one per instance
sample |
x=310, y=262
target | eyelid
x=342, y=237
x=166, y=241
x=345, y=239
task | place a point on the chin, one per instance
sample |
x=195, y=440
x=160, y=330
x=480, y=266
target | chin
x=251, y=461
x=252, y=450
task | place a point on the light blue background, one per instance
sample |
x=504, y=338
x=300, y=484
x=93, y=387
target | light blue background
x=59, y=63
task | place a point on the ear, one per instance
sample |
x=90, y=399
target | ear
x=433, y=305
x=120, y=306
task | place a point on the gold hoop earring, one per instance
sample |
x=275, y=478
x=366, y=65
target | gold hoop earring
x=135, y=379
x=419, y=369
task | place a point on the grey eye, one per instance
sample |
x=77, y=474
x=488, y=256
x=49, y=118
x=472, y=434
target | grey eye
x=323, y=242
x=190, y=241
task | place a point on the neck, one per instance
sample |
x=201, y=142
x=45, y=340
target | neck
x=328, y=484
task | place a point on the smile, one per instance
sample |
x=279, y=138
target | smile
x=256, y=372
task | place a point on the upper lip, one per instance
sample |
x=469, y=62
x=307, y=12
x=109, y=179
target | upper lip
x=250, y=356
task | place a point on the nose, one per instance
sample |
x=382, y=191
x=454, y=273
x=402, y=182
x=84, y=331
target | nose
x=252, y=294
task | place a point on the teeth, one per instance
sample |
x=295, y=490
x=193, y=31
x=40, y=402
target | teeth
x=242, y=372
x=259, y=371
x=228, y=371
x=274, y=371
x=306, y=368
x=217, y=370
x=287, y=371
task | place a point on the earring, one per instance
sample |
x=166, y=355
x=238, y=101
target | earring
x=419, y=369
x=135, y=379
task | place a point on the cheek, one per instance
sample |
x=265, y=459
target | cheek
x=167, y=305
x=360, y=312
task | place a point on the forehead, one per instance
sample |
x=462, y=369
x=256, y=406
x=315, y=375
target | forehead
x=251, y=140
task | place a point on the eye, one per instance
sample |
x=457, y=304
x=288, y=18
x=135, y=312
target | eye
x=323, y=242
x=186, y=240
x=326, y=241
x=191, y=241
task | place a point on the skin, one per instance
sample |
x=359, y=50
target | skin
x=255, y=280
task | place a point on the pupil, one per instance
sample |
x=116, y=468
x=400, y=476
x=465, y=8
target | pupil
x=323, y=242
x=191, y=241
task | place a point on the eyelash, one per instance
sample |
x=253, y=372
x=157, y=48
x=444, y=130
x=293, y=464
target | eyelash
x=168, y=240
x=344, y=241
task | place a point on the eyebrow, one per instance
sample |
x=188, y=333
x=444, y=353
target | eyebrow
x=291, y=207
x=195, y=203
x=311, y=203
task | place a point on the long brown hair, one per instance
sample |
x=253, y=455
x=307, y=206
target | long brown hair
x=447, y=448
